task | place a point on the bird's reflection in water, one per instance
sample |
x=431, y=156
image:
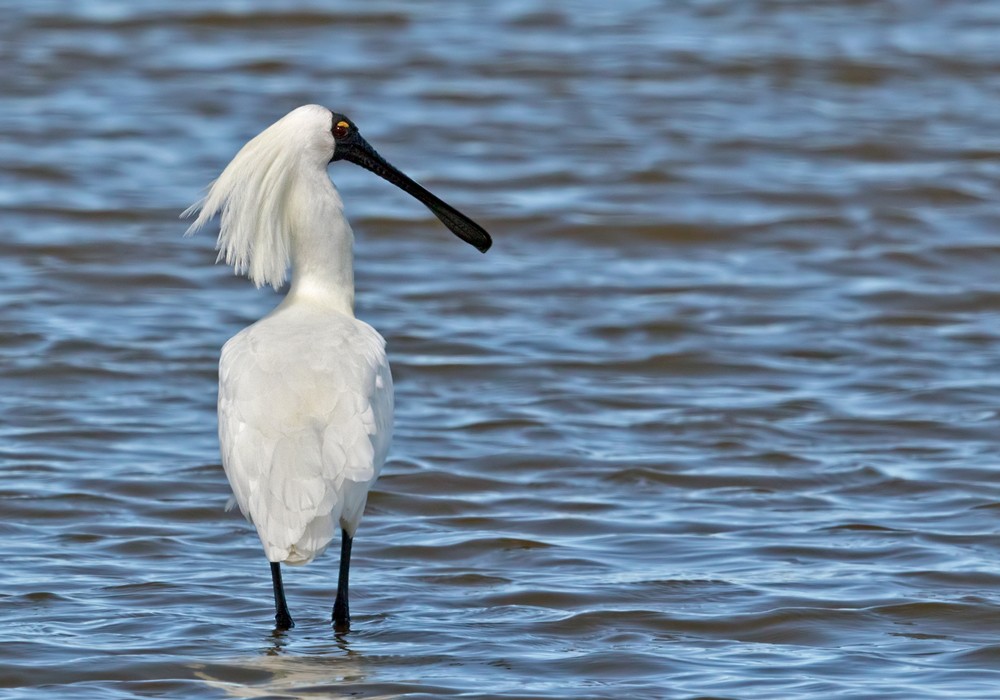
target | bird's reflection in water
x=321, y=673
x=278, y=641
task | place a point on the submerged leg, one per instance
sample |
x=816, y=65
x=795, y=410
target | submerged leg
x=282, y=618
x=341, y=610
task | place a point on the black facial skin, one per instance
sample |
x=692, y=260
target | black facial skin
x=350, y=146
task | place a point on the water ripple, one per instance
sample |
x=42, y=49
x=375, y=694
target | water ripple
x=715, y=418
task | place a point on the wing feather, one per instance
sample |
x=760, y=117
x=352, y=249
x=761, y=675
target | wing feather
x=305, y=421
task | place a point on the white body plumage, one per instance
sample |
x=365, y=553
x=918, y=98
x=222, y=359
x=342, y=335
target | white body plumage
x=305, y=394
x=305, y=418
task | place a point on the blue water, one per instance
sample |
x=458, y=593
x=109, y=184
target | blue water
x=715, y=418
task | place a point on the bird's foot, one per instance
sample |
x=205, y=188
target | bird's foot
x=341, y=617
x=283, y=621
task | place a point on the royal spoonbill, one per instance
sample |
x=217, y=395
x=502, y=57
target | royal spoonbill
x=305, y=393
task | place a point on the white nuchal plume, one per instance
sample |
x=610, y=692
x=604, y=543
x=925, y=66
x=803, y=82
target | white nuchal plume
x=254, y=195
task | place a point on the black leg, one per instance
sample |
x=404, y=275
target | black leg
x=282, y=618
x=341, y=610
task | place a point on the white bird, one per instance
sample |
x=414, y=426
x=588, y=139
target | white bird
x=305, y=393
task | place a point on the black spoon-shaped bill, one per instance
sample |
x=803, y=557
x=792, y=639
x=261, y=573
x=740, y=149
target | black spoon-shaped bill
x=350, y=146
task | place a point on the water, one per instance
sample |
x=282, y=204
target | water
x=716, y=417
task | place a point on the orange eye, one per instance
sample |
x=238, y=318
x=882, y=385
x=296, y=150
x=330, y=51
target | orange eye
x=340, y=129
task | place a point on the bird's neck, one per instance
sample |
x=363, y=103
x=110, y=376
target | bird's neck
x=322, y=246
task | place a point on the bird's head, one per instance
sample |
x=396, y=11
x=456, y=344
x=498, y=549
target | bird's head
x=251, y=191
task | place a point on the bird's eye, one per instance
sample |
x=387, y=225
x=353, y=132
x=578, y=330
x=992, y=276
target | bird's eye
x=340, y=129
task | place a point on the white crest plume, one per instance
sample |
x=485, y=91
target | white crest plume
x=253, y=194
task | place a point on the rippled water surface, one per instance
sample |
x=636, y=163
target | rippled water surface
x=716, y=418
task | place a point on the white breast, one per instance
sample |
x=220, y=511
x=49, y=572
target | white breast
x=305, y=421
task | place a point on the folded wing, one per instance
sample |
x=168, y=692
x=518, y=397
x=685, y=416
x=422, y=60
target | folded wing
x=305, y=420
